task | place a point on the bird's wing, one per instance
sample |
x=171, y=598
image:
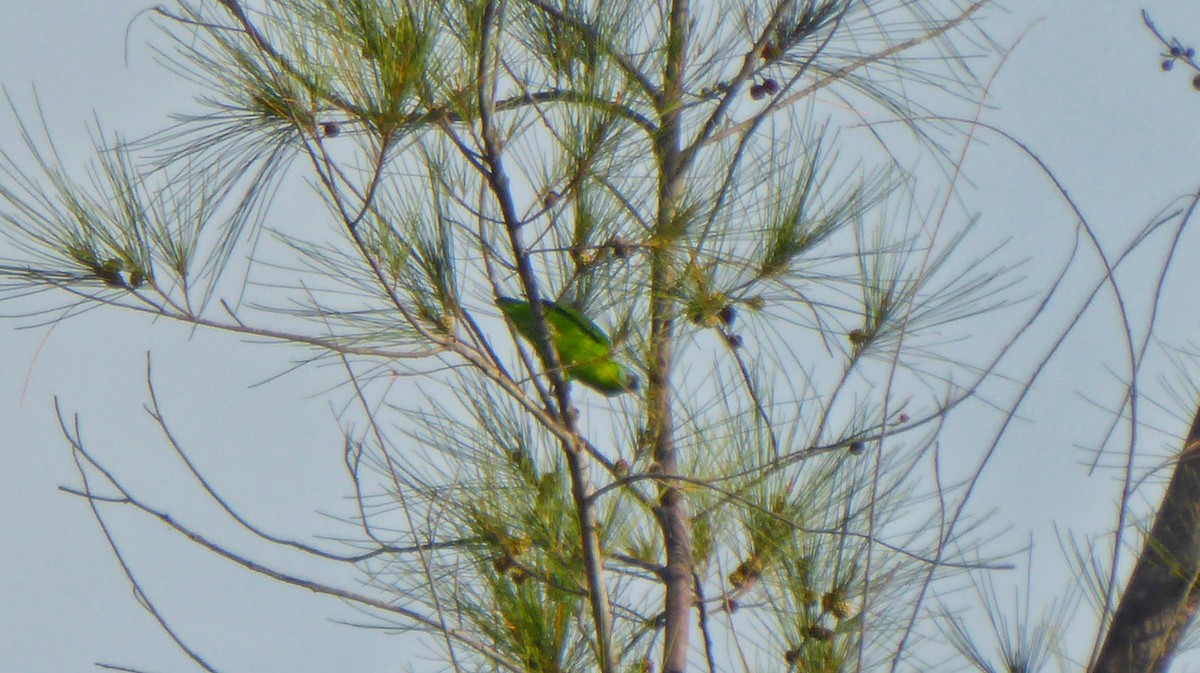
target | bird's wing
x=568, y=320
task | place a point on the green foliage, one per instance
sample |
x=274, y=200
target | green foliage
x=606, y=155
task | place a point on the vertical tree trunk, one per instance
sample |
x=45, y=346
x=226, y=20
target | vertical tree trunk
x=1162, y=595
x=672, y=514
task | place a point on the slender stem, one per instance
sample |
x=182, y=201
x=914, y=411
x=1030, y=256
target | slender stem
x=672, y=513
x=1162, y=596
x=574, y=448
x=841, y=73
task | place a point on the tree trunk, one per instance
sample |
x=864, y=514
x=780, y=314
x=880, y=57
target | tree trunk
x=1162, y=594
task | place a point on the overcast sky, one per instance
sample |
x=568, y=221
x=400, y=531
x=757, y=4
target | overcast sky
x=1083, y=89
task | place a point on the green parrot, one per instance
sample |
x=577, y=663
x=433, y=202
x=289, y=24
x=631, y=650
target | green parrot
x=583, y=348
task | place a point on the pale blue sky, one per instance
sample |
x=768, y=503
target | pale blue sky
x=1082, y=89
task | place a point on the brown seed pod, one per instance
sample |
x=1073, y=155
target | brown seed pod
x=728, y=314
x=621, y=248
x=835, y=604
x=110, y=273
x=818, y=632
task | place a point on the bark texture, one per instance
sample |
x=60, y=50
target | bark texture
x=1162, y=594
